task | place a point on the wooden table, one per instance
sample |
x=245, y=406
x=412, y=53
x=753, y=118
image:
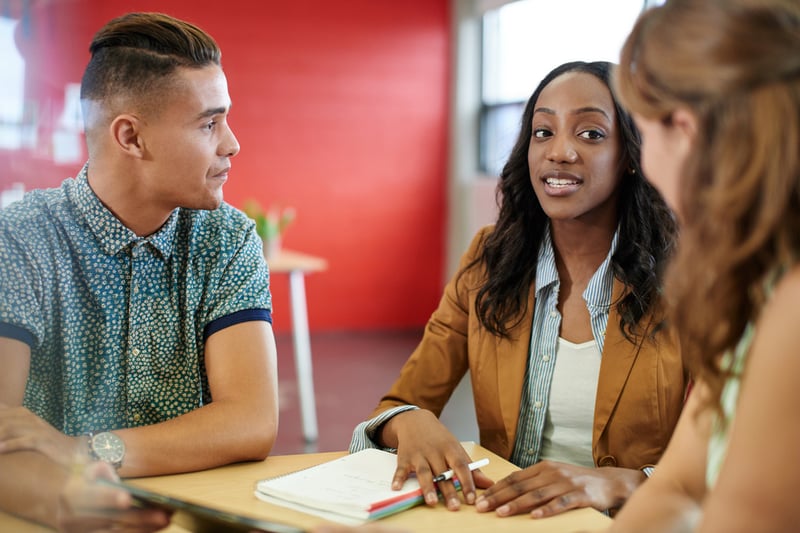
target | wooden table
x=296, y=265
x=231, y=488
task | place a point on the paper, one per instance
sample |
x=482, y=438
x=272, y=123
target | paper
x=351, y=490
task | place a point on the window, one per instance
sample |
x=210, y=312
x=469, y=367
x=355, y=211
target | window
x=12, y=87
x=523, y=41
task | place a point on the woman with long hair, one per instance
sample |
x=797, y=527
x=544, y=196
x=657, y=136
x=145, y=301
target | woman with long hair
x=715, y=87
x=555, y=311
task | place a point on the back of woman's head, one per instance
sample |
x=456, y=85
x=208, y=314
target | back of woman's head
x=735, y=65
x=510, y=253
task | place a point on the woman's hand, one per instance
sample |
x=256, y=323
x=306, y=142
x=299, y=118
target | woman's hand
x=427, y=448
x=88, y=506
x=548, y=488
x=20, y=430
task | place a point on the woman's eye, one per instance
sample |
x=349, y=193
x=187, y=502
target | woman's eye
x=540, y=133
x=592, y=135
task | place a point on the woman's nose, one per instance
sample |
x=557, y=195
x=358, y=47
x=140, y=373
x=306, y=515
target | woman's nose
x=562, y=149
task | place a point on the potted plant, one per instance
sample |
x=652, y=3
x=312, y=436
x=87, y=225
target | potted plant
x=270, y=224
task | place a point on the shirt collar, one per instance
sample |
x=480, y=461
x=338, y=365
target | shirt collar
x=546, y=273
x=112, y=235
x=598, y=292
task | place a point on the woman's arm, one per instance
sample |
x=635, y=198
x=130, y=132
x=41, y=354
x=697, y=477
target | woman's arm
x=758, y=487
x=670, y=500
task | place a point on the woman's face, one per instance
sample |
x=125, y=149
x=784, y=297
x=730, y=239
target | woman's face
x=574, y=151
x=665, y=147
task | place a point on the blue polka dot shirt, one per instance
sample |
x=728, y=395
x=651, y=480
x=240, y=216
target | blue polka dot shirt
x=117, y=323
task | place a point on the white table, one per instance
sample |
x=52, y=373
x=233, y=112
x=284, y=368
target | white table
x=297, y=265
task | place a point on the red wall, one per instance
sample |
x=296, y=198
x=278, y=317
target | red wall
x=341, y=111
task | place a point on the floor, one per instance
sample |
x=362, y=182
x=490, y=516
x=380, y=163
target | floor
x=351, y=373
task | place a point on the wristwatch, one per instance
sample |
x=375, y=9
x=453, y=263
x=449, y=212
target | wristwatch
x=108, y=447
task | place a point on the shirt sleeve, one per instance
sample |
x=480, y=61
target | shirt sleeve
x=241, y=284
x=364, y=433
x=20, y=291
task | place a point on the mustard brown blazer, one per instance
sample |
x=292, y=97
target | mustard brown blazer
x=640, y=391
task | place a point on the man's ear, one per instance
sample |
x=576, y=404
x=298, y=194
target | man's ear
x=126, y=134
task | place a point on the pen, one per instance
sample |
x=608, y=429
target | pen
x=444, y=476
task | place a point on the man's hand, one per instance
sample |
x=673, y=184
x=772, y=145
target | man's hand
x=548, y=488
x=21, y=430
x=86, y=506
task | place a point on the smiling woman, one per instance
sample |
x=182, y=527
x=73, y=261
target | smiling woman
x=556, y=313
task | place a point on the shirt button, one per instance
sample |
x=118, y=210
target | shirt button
x=530, y=451
x=135, y=351
x=553, y=314
x=537, y=404
x=136, y=417
x=545, y=358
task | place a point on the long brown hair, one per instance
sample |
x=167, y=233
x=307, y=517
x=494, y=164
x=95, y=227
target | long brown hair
x=735, y=64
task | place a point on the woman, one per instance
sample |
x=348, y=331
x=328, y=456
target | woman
x=569, y=272
x=715, y=87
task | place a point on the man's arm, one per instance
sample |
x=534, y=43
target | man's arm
x=241, y=422
x=31, y=482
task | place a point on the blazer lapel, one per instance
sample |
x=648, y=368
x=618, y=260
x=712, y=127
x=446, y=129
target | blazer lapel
x=614, y=369
x=512, y=363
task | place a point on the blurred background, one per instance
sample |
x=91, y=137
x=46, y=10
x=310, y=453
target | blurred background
x=382, y=124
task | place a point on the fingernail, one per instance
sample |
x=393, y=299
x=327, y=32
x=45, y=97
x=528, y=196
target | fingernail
x=537, y=513
x=396, y=485
x=453, y=504
x=471, y=498
x=482, y=505
x=431, y=498
x=503, y=510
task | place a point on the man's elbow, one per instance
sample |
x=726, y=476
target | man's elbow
x=260, y=439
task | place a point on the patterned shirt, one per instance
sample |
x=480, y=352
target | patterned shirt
x=117, y=323
x=544, y=339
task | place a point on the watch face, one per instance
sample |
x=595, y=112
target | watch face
x=108, y=447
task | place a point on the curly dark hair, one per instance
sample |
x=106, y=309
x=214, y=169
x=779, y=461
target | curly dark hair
x=647, y=229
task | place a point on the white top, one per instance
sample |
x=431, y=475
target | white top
x=568, y=425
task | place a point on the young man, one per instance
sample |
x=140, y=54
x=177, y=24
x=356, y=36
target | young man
x=135, y=324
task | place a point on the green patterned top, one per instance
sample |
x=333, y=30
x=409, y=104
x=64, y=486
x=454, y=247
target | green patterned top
x=117, y=323
x=718, y=443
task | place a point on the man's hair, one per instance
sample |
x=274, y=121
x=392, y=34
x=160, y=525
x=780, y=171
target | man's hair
x=135, y=54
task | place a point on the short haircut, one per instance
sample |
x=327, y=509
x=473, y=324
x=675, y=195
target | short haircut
x=134, y=55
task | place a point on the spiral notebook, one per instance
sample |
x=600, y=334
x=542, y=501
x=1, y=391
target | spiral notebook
x=350, y=490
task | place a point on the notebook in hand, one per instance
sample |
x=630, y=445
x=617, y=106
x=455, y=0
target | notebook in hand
x=351, y=490
x=199, y=518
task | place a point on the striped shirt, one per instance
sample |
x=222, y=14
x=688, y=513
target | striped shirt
x=544, y=339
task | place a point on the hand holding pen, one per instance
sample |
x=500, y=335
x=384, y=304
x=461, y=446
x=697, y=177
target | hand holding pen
x=444, y=476
x=426, y=448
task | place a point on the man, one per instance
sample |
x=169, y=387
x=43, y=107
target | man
x=134, y=304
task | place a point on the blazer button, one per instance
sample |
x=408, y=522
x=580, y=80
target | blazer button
x=607, y=460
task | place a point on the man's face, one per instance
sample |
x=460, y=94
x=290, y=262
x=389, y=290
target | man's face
x=188, y=141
